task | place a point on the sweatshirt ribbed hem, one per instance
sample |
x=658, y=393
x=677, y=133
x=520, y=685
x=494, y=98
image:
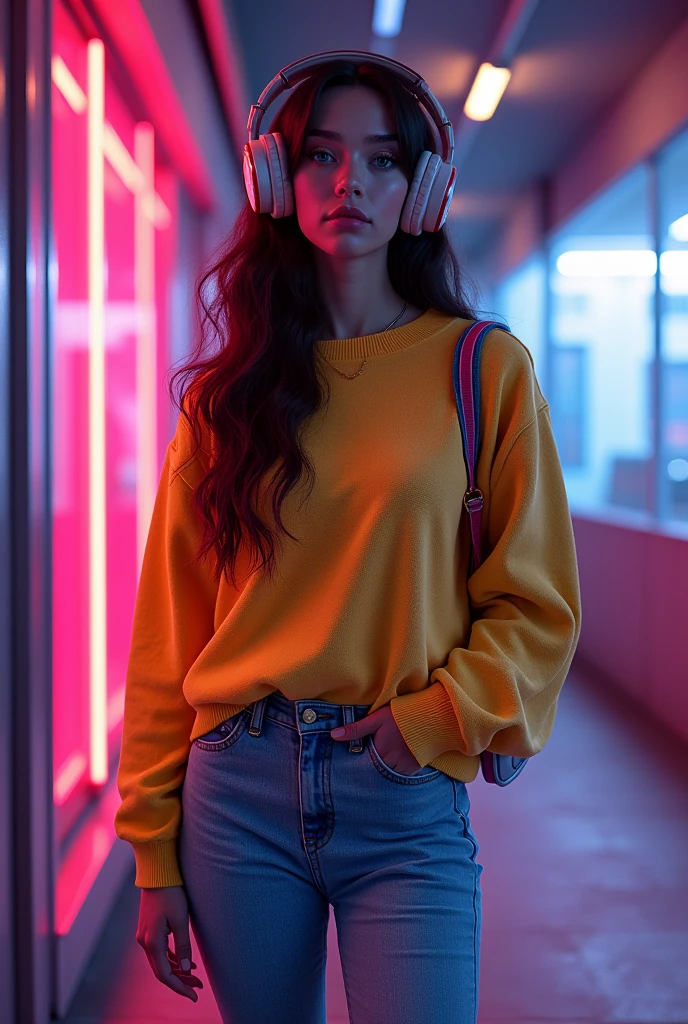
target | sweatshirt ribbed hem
x=157, y=864
x=379, y=344
x=209, y=716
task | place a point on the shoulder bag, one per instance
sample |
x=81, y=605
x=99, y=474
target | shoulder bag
x=499, y=769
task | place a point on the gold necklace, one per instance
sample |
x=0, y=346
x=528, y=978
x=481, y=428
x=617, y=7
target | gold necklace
x=350, y=376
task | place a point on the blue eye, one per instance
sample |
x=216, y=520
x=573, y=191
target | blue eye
x=387, y=156
x=381, y=156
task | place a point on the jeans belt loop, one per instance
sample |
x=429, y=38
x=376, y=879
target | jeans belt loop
x=257, y=716
x=355, y=746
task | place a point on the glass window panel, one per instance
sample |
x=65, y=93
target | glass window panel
x=520, y=299
x=673, y=268
x=602, y=292
x=70, y=428
x=137, y=258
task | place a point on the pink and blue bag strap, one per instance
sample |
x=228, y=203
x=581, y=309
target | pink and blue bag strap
x=499, y=769
x=466, y=380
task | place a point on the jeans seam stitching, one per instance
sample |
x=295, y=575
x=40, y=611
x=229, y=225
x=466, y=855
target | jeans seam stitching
x=475, y=945
x=326, y=788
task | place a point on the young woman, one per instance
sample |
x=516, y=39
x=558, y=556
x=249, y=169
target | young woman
x=307, y=569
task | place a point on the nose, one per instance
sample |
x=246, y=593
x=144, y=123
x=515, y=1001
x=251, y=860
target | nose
x=348, y=190
x=348, y=182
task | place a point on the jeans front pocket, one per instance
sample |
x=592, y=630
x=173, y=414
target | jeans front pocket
x=426, y=774
x=224, y=735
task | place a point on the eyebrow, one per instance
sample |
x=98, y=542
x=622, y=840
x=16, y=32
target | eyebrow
x=323, y=133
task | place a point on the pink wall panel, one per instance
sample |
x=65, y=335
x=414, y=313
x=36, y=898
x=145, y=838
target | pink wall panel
x=667, y=616
x=634, y=586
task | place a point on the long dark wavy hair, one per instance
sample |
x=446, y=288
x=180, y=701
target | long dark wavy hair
x=261, y=314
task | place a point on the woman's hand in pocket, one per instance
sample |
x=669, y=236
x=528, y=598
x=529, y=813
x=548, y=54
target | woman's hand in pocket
x=389, y=743
x=162, y=911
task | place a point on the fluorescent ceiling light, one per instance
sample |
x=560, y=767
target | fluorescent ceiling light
x=607, y=263
x=678, y=229
x=486, y=92
x=673, y=265
x=387, y=17
x=673, y=269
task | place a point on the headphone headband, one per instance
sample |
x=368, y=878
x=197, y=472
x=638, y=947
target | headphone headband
x=293, y=74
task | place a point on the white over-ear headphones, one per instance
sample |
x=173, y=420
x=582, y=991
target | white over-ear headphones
x=266, y=166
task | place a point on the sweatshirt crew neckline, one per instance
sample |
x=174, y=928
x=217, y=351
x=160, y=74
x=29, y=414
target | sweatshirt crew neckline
x=424, y=326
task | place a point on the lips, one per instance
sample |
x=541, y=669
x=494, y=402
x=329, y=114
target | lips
x=347, y=211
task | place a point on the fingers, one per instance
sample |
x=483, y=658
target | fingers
x=364, y=726
x=178, y=966
x=163, y=910
x=180, y=961
x=182, y=948
x=162, y=970
x=182, y=968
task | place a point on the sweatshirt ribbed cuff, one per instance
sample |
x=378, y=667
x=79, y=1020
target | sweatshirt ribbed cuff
x=427, y=721
x=156, y=864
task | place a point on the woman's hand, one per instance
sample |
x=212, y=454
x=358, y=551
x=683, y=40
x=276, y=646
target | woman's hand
x=389, y=743
x=162, y=911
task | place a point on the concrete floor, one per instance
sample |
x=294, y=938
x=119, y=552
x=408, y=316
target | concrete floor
x=585, y=888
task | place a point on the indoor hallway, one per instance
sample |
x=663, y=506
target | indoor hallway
x=585, y=888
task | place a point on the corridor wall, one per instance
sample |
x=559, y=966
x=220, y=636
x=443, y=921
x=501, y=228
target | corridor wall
x=602, y=251
x=110, y=199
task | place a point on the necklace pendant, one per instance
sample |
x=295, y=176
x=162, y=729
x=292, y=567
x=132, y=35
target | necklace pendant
x=352, y=376
x=349, y=376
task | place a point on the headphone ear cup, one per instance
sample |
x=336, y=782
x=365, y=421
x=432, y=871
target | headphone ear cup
x=257, y=176
x=412, y=194
x=278, y=165
x=421, y=186
x=266, y=175
x=439, y=198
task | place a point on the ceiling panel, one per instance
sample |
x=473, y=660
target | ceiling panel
x=572, y=63
x=441, y=40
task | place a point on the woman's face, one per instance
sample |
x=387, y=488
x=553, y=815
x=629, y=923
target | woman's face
x=343, y=165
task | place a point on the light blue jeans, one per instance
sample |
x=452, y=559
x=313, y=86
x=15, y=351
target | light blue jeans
x=280, y=821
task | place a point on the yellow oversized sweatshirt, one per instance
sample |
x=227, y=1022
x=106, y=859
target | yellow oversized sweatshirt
x=370, y=604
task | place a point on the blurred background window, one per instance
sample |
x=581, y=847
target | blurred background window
x=602, y=280
x=673, y=279
x=520, y=299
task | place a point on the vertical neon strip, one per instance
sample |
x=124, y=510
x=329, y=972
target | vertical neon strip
x=146, y=389
x=98, y=767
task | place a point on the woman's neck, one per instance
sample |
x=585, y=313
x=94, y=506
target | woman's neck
x=359, y=296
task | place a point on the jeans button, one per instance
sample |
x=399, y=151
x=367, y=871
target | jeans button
x=309, y=715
